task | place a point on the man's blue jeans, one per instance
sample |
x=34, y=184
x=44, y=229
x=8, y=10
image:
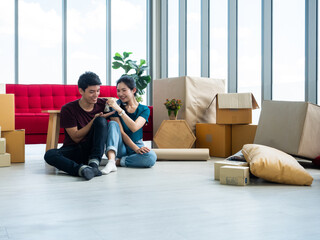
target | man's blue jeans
x=70, y=158
x=128, y=157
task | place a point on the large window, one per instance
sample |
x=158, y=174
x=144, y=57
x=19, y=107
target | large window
x=86, y=38
x=173, y=38
x=40, y=24
x=318, y=80
x=128, y=19
x=219, y=40
x=288, y=49
x=7, y=41
x=193, y=38
x=249, y=50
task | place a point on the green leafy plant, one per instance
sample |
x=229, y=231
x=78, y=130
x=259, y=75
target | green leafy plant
x=127, y=64
x=173, y=105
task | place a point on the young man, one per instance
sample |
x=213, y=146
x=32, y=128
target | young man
x=85, y=128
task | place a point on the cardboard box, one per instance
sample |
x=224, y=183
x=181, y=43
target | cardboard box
x=234, y=175
x=2, y=145
x=2, y=88
x=7, y=112
x=215, y=137
x=15, y=144
x=292, y=127
x=195, y=94
x=219, y=164
x=234, y=108
x=241, y=135
x=5, y=160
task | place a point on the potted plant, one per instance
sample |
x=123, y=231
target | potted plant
x=173, y=106
x=127, y=65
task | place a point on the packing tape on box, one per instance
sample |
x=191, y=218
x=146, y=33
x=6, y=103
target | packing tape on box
x=182, y=153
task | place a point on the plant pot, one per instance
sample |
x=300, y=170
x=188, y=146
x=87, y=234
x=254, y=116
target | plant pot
x=172, y=114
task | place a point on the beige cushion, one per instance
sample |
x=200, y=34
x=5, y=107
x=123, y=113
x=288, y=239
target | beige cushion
x=274, y=165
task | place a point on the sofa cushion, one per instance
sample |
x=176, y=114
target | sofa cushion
x=274, y=165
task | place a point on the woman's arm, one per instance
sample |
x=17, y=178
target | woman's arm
x=132, y=125
x=127, y=140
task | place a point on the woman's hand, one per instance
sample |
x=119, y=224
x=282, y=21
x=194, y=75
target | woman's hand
x=142, y=150
x=112, y=102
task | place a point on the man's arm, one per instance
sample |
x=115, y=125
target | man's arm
x=77, y=135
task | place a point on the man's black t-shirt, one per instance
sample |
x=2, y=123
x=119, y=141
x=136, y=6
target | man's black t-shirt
x=72, y=115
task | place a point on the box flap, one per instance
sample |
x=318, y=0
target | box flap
x=236, y=100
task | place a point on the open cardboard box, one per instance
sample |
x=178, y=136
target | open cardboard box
x=293, y=127
x=234, y=108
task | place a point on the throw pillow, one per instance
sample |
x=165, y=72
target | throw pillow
x=275, y=166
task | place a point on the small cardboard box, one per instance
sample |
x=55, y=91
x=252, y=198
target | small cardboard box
x=241, y=135
x=5, y=160
x=15, y=144
x=2, y=88
x=292, y=127
x=215, y=137
x=2, y=145
x=7, y=112
x=219, y=164
x=235, y=108
x=234, y=175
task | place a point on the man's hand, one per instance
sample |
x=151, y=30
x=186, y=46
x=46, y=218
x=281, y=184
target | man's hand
x=98, y=115
x=107, y=114
x=142, y=150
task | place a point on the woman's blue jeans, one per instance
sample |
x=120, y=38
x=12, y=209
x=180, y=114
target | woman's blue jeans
x=128, y=157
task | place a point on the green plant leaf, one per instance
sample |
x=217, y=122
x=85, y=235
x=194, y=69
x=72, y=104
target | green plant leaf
x=126, y=54
x=141, y=83
x=116, y=65
x=146, y=79
x=126, y=68
x=142, y=61
x=118, y=58
x=141, y=70
x=118, y=55
x=133, y=64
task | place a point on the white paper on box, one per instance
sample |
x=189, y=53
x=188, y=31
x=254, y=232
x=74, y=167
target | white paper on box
x=234, y=175
x=5, y=160
x=219, y=164
x=2, y=88
x=2, y=145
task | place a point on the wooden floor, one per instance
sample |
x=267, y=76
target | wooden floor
x=172, y=200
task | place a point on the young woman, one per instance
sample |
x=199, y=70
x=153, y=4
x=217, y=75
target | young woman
x=124, y=142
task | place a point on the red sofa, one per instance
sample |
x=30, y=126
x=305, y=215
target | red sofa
x=31, y=99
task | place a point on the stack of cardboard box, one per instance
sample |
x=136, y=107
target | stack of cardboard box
x=14, y=139
x=232, y=129
x=4, y=157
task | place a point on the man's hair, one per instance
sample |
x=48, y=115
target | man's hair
x=88, y=79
